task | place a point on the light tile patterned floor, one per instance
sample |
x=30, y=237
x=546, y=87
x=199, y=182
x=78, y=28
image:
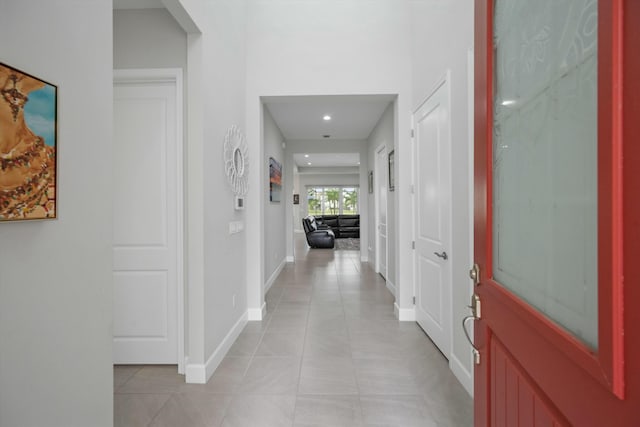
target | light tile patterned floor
x=329, y=353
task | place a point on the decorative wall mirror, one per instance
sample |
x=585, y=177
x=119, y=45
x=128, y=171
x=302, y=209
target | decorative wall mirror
x=236, y=161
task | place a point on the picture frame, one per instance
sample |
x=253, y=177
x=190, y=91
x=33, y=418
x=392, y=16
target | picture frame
x=370, y=182
x=392, y=169
x=28, y=151
x=275, y=180
x=296, y=199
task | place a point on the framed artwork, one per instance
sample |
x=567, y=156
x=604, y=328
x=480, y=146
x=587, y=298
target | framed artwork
x=296, y=199
x=370, y=181
x=275, y=180
x=392, y=169
x=28, y=146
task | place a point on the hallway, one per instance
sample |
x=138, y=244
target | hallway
x=329, y=353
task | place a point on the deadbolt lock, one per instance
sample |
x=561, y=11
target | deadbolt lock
x=474, y=274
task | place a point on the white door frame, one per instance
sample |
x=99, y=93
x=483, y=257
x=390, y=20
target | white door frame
x=378, y=176
x=171, y=75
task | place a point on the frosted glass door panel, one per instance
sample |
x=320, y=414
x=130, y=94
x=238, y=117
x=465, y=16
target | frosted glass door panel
x=545, y=158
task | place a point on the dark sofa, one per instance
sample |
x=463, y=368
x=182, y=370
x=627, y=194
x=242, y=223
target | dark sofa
x=342, y=225
x=318, y=236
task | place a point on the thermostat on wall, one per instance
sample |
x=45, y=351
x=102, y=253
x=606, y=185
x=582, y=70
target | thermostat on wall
x=239, y=203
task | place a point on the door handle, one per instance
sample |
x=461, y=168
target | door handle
x=443, y=255
x=475, y=315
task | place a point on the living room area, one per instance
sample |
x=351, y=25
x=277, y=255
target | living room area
x=336, y=153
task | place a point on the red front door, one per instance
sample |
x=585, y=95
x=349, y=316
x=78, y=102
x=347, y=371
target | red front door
x=557, y=212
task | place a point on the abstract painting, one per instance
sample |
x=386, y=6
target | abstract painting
x=28, y=146
x=275, y=180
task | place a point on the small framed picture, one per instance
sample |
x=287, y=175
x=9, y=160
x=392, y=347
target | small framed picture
x=296, y=199
x=392, y=170
x=370, y=181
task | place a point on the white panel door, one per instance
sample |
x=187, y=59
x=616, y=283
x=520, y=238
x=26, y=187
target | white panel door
x=145, y=223
x=433, y=217
x=381, y=174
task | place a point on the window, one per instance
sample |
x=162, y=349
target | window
x=334, y=200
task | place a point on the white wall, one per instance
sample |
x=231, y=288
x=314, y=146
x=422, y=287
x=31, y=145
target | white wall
x=216, y=300
x=274, y=244
x=322, y=47
x=381, y=135
x=223, y=45
x=433, y=22
x=148, y=38
x=55, y=276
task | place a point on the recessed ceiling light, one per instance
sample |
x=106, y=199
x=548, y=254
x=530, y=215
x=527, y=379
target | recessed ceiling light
x=309, y=163
x=326, y=117
x=358, y=163
x=306, y=156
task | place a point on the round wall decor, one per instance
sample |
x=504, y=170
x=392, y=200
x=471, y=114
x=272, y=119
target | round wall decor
x=236, y=161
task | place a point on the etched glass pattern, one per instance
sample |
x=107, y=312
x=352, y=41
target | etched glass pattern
x=545, y=158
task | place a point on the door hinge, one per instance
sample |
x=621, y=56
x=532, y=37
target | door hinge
x=413, y=244
x=412, y=189
x=413, y=135
x=414, y=300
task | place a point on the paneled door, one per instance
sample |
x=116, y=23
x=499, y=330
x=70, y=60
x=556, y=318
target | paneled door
x=382, y=172
x=557, y=236
x=433, y=216
x=146, y=216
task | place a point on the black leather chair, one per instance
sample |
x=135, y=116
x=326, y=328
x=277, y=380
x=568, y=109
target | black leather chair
x=317, y=237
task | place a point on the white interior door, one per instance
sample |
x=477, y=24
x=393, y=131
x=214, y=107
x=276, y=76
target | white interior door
x=145, y=222
x=381, y=174
x=433, y=217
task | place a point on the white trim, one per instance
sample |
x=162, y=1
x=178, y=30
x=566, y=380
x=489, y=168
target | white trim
x=171, y=75
x=275, y=274
x=461, y=373
x=364, y=258
x=180, y=218
x=471, y=151
x=392, y=288
x=200, y=373
x=404, y=314
x=257, y=313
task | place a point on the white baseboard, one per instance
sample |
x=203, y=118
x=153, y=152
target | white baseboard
x=275, y=275
x=257, y=313
x=404, y=314
x=198, y=373
x=364, y=258
x=462, y=374
x=391, y=287
x=290, y=258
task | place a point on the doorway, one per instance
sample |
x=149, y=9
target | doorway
x=433, y=216
x=148, y=218
x=382, y=247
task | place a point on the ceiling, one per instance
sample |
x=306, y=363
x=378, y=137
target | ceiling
x=353, y=117
x=324, y=160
